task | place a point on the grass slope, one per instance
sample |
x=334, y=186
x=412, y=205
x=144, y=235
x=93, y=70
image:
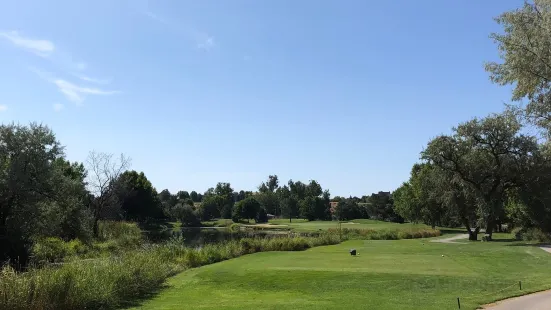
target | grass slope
x=403, y=274
x=305, y=226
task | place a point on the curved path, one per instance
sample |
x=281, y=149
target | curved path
x=452, y=239
x=536, y=301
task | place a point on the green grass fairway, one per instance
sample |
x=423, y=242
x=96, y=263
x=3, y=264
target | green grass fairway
x=402, y=274
x=303, y=225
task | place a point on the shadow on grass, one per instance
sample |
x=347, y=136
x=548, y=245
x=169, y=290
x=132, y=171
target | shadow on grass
x=454, y=231
x=133, y=302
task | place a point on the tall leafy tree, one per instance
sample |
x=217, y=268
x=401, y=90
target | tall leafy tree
x=40, y=193
x=525, y=50
x=194, y=196
x=138, y=198
x=226, y=201
x=486, y=157
x=287, y=203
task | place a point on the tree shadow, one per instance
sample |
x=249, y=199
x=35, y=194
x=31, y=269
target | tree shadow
x=524, y=243
x=455, y=231
x=136, y=301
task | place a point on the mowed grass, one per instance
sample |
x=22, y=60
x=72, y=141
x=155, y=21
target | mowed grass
x=308, y=226
x=401, y=274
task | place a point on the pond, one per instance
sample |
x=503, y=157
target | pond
x=208, y=235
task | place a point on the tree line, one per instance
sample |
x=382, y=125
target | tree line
x=496, y=169
x=42, y=194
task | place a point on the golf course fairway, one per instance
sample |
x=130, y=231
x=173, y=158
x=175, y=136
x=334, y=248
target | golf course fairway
x=401, y=274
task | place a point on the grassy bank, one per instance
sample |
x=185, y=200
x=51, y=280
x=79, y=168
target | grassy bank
x=108, y=283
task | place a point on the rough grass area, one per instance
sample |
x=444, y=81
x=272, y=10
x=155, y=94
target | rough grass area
x=109, y=283
x=402, y=274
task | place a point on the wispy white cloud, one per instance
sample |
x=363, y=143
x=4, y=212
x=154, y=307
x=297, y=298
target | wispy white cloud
x=93, y=80
x=202, y=40
x=40, y=47
x=58, y=107
x=3, y=107
x=73, y=92
x=77, y=94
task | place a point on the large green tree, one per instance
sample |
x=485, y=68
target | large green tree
x=485, y=157
x=41, y=194
x=287, y=203
x=226, y=201
x=138, y=198
x=525, y=51
x=267, y=196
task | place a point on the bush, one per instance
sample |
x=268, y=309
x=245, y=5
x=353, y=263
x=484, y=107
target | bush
x=234, y=228
x=188, y=217
x=124, y=234
x=531, y=234
x=386, y=234
x=49, y=250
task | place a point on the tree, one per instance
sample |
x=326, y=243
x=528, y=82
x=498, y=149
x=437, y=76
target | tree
x=32, y=179
x=525, y=49
x=193, y=195
x=406, y=204
x=186, y=215
x=307, y=207
x=267, y=196
x=261, y=216
x=381, y=207
x=298, y=189
x=347, y=209
x=104, y=170
x=246, y=209
x=269, y=201
x=67, y=215
x=287, y=202
x=485, y=158
x=273, y=183
x=210, y=207
x=313, y=189
x=183, y=195
x=251, y=208
x=137, y=196
x=226, y=201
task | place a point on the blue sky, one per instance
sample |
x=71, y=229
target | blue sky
x=195, y=92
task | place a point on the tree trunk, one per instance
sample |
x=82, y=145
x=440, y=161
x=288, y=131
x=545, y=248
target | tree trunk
x=473, y=235
x=490, y=228
x=290, y=217
x=95, y=228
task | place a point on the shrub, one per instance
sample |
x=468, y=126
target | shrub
x=76, y=247
x=385, y=234
x=233, y=228
x=188, y=217
x=531, y=234
x=125, y=234
x=49, y=250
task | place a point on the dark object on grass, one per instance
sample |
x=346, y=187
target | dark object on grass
x=353, y=252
